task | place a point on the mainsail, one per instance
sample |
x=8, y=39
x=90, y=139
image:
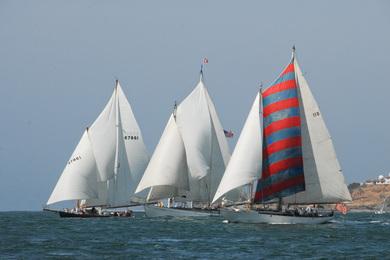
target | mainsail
x=296, y=156
x=110, y=159
x=323, y=176
x=196, y=150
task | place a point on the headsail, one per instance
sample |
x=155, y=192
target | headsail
x=168, y=166
x=78, y=180
x=282, y=170
x=245, y=164
x=103, y=139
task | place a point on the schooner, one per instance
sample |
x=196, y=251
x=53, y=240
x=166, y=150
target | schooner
x=286, y=154
x=189, y=160
x=106, y=165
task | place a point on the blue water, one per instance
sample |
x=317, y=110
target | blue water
x=44, y=234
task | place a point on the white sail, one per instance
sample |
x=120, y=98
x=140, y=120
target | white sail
x=324, y=181
x=197, y=156
x=79, y=179
x=245, y=164
x=120, y=156
x=103, y=138
x=134, y=148
x=121, y=184
x=168, y=166
x=205, y=144
x=193, y=121
x=220, y=154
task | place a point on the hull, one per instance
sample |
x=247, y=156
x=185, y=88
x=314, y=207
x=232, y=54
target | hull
x=67, y=214
x=154, y=211
x=64, y=214
x=258, y=217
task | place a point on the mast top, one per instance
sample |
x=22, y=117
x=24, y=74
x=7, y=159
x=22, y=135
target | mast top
x=204, y=61
x=293, y=51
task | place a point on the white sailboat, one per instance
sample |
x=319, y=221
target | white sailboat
x=383, y=208
x=106, y=165
x=286, y=153
x=189, y=160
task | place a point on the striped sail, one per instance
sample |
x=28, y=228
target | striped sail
x=282, y=170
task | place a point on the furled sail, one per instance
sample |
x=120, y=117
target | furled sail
x=78, y=180
x=323, y=177
x=245, y=164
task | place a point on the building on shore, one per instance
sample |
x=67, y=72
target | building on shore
x=381, y=180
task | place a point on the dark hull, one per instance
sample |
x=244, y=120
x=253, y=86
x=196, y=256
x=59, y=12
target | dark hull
x=64, y=214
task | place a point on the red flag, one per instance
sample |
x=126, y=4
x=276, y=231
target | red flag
x=341, y=207
x=228, y=134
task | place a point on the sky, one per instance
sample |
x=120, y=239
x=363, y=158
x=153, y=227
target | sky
x=59, y=61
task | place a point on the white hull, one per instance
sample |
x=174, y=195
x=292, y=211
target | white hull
x=255, y=217
x=154, y=211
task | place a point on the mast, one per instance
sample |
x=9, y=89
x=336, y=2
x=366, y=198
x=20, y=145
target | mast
x=116, y=167
x=209, y=177
x=250, y=193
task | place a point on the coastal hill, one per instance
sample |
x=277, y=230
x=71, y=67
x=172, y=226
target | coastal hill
x=368, y=196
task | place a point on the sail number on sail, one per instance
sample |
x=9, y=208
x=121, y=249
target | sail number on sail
x=131, y=137
x=74, y=159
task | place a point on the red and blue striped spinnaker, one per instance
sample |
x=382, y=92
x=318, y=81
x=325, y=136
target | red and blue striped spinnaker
x=282, y=172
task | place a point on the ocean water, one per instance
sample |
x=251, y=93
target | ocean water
x=45, y=235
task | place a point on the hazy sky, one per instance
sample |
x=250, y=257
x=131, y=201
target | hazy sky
x=59, y=60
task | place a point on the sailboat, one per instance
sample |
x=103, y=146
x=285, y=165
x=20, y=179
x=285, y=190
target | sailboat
x=286, y=154
x=383, y=208
x=189, y=160
x=106, y=165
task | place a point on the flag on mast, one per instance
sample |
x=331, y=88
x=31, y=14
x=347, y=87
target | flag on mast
x=228, y=134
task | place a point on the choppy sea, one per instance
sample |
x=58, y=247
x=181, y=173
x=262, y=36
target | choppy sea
x=37, y=235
